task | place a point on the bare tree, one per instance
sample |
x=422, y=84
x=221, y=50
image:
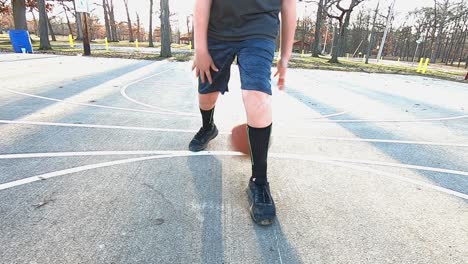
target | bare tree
x=79, y=27
x=138, y=28
x=106, y=20
x=66, y=9
x=318, y=28
x=130, y=30
x=150, y=34
x=111, y=27
x=343, y=17
x=43, y=26
x=440, y=20
x=371, y=38
x=31, y=10
x=165, y=29
x=51, y=30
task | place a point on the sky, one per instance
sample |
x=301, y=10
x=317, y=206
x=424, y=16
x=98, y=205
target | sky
x=183, y=8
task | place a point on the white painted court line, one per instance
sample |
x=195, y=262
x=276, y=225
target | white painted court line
x=329, y=115
x=392, y=120
x=401, y=178
x=95, y=105
x=184, y=152
x=72, y=170
x=392, y=141
x=168, y=112
x=123, y=92
x=98, y=126
x=336, y=162
x=409, y=142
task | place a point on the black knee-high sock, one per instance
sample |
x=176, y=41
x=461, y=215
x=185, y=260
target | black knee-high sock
x=207, y=117
x=259, y=139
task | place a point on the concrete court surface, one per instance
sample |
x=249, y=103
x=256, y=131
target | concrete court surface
x=364, y=168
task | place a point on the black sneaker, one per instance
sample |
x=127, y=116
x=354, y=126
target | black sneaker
x=261, y=205
x=201, y=139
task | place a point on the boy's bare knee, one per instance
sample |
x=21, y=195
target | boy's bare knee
x=258, y=108
x=208, y=101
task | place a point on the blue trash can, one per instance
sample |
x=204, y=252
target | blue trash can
x=20, y=40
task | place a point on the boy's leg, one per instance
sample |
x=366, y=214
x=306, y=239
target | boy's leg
x=207, y=101
x=222, y=55
x=255, y=59
x=208, y=131
x=259, y=120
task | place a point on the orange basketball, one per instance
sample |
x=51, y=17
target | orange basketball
x=239, y=139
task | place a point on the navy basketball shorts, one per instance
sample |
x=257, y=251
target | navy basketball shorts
x=254, y=58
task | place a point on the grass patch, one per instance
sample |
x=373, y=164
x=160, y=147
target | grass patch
x=182, y=57
x=354, y=66
x=61, y=47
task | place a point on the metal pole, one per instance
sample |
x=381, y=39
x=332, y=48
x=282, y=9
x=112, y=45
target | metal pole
x=354, y=54
x=389, y=19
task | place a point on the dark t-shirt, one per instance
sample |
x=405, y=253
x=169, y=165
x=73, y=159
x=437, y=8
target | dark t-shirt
x=236, y=20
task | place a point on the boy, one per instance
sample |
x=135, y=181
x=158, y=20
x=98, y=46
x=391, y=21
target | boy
x=246, y=29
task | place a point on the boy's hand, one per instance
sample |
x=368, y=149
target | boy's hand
x=281, y=72
x=202, y=65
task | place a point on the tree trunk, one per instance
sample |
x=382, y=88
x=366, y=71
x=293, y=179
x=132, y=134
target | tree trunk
x=79, y=27
x=423, y=49
x=332, y=46
x=165, y=30
x=344, y=35
x=318, y=30
x=458, y=45
x=336, y=45
x=138, y=27
x=34, y=19
x=106, y=20
x=444, y=52
x=371, y=38
x=68, y=21
x=462, y=49
x=113, y=26
x=43, y=26
x=449, y=52
x=150, y=34
x=129, y=22
x=52, y=33
x=19, y=14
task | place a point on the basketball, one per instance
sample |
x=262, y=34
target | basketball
x=239, y=139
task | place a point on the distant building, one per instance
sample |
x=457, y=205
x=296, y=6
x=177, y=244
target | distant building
x=300, y=45
x=185, y=38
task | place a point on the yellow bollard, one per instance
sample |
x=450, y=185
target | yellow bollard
x=302, y=54
x=425, y=66
x=137, y=44
x=364, y=58
x=420, y=65
x=107, y=44
x=190, y=45
x=70, y=39
x=347, y=56
x=398, y=59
